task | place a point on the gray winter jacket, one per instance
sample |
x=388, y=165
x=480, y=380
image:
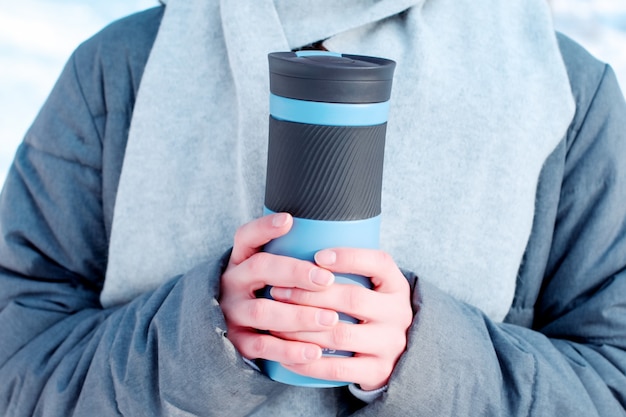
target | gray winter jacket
x=560, y=352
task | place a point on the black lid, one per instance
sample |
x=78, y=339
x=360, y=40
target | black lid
x=330, y=77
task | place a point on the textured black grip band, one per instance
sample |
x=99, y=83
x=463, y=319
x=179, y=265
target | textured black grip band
x=325, y=172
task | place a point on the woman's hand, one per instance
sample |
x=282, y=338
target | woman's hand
x=249, y=270
x=384, y=315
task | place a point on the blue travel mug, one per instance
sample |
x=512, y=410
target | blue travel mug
x=328, y=119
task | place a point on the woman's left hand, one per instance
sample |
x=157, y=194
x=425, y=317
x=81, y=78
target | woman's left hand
x=384, y=315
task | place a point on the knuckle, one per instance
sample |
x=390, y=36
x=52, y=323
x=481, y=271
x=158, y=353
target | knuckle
x=259, y=347
x=405, y=291
x=303, y=316
x=293, y=352
x=340, y=372
x=341, y=335
x=353, y=297
x=226, y=278
x=296, y=269
x=407, y=321
x=226, y=310
x=239, y=236
x=403, y=313
x=381, y=373
x=384, y=258
x=259, y=261
x=397, y=343
x=257, y=310
x=300, y=297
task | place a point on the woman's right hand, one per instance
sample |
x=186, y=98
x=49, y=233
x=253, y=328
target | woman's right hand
x=249, y=270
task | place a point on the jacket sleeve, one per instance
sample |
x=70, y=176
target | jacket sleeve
x=61, y=353
x=571, y=359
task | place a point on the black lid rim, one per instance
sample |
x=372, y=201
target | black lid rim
x=328, y=67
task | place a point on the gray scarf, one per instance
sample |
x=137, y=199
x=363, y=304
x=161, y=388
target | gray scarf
x=480, y=99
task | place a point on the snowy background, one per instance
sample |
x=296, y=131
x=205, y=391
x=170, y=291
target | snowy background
x=37, y=37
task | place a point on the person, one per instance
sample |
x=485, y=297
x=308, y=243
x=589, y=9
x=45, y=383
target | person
x=131, y=228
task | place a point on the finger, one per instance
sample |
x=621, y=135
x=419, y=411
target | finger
x=353, y=300
x=368, y=339
x=265, y=314
x=375, y=264
x=367, y=371
x=250, y=237
x=265, y=268
x=252, y=345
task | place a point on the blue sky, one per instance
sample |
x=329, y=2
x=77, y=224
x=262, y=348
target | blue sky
x=37, y=36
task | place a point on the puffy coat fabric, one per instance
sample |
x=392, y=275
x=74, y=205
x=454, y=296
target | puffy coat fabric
x=560, y=352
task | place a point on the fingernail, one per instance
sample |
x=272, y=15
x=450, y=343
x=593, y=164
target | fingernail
x=321, y=276
x=278, y=293
x=325, y=257
x=311, y=353
x=280, y=219
x=327, y=318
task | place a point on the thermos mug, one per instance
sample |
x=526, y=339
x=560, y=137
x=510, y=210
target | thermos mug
x=327, y=125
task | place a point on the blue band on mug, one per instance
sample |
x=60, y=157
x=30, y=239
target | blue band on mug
x=328, y=114
x=307, y=236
